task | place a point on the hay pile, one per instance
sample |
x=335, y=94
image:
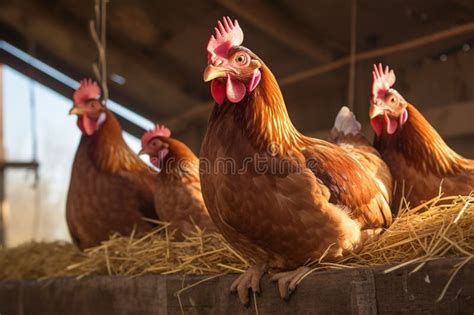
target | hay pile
x=155, y=252
x=38, y=260
x=442, y=227
x=445, y=228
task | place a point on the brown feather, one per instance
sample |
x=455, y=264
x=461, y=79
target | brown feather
x=178, y=197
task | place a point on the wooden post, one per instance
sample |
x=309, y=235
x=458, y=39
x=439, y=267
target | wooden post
x=2, y=160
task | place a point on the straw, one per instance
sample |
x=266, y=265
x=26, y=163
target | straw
x=444, y=229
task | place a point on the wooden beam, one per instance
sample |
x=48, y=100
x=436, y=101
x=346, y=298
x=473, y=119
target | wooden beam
x=32, y=165
x=384, y=51
x=344, y=291
x=58, y=86
x=156, y=94
x=201, y=110
x=276, y=24
x=151, y=54
x=12, y=36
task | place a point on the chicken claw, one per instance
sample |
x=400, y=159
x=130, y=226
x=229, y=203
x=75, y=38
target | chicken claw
x=289, y=280
x=250, y=279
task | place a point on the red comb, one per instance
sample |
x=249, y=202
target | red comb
x=227, y=35
x=87, y=90
x=383, y=80
x=158, y=131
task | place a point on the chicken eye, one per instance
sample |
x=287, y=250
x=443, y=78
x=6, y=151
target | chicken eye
x=393, y=99
x=241, y=59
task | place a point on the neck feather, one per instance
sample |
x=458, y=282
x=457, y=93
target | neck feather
x=108, y=148
x=422, y=146
x=263, y=116
x=180, y=161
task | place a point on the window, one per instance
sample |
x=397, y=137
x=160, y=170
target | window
x=39, y=213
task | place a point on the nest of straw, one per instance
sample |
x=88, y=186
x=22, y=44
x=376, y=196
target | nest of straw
x=442, y=227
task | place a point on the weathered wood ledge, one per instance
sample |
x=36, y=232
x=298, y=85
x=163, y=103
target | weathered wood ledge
x=356, y=291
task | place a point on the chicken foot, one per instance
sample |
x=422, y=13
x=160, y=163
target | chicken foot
x=249, y=280
x=289, y=280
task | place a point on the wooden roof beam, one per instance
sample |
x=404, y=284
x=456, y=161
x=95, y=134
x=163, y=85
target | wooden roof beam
x=274, y=23
x=58, y=86
x=72, y=45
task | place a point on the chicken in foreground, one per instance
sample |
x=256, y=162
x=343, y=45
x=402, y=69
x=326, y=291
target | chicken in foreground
x=420, y=161
x=111, y=189
x=178, y=197
x=283, y=198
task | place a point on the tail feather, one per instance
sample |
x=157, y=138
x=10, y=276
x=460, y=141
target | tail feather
x=347, y=130
x=346, y=122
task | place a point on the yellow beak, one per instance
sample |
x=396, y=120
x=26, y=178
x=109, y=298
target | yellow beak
x=375, y=111
x=212, y=72
x=76, y=111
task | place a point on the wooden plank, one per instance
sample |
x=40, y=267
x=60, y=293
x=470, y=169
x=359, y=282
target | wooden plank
x=363, y=293
x=11, y=297
x=417, y=293
x=97, y=295
x=357, y=291
x=327, y=292
x=19, y=164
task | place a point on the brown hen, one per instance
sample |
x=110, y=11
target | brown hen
x=111, y=189
x=422, y=164
x=178, y=198
x=286, y=198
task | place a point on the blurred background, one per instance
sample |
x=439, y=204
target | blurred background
x=320, y=51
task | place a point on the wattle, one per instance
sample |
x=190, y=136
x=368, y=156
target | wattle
x=90, y=125
x=233, y=89
x=86, y=125
x=377, y=125
x=218, y=91
x=391, y=123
